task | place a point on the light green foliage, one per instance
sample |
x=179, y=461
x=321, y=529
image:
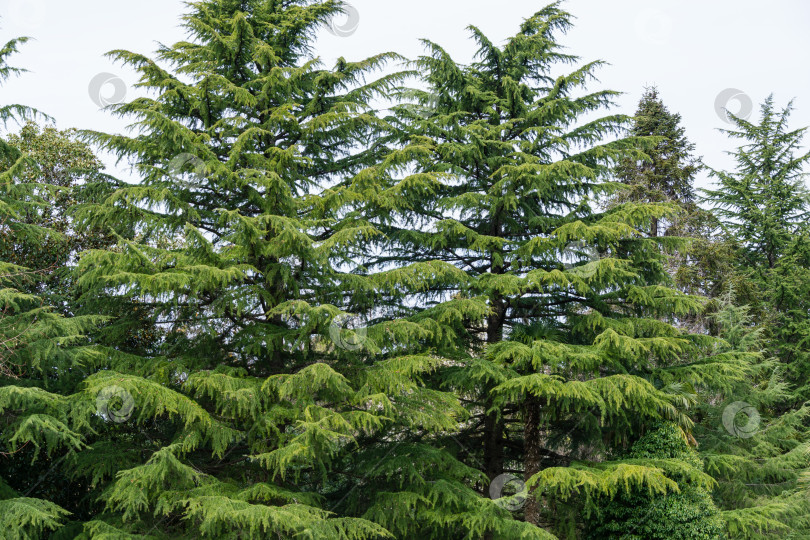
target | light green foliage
x=763, y=206
x=559, y=355
x=26, y=519
x=35, y=341
x=59, y=169
x=311, y=319
x=224, y=362
x=760, y=475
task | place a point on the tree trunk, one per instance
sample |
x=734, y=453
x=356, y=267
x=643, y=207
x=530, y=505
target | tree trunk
x=493, y=427
x=532, y=454
x=493, y=445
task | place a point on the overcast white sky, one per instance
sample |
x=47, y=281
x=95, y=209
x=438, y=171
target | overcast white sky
x=691, y=49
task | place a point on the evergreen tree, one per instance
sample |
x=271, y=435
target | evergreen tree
x=565, y=359
x=763, y=205
x=311, y=320
x=66, y=170
x=38, y=347
x=667, y=170
x=756, y=453
x=241, y=413
x=688, y=514
x=666, y=173
x=756, y=479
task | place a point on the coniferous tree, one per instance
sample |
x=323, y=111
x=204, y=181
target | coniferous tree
x=55, y=173
x=310, y=320
x=38, y=346
x=565, y=359
x=755, y=478
x=763, y=205
x=666, y=173
x=756, y=453
x=688, y=514
x=667, y=170
x=241, y=413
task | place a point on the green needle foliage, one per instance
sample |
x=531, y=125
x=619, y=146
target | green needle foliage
x=764, y=202
x=38, y=347
x=755, y=450
x=763, y=205
x=688, y=514
x=67, y=173
x=566, y=357
x=667, y=173
x=481, y=314
x=228, y=375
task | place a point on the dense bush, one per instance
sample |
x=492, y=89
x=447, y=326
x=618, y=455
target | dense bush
x=688, y=514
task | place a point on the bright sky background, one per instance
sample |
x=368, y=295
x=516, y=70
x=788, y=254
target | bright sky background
x=693, y=50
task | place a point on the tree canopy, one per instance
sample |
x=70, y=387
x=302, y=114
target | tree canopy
x=392, y=298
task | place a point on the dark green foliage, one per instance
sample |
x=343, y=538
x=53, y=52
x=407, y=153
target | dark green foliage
x=753, y=447
x=667, y=170
x=763, y=204
x=243, y=407
x=38, y=347
x=758, y=456
x=688, y=514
